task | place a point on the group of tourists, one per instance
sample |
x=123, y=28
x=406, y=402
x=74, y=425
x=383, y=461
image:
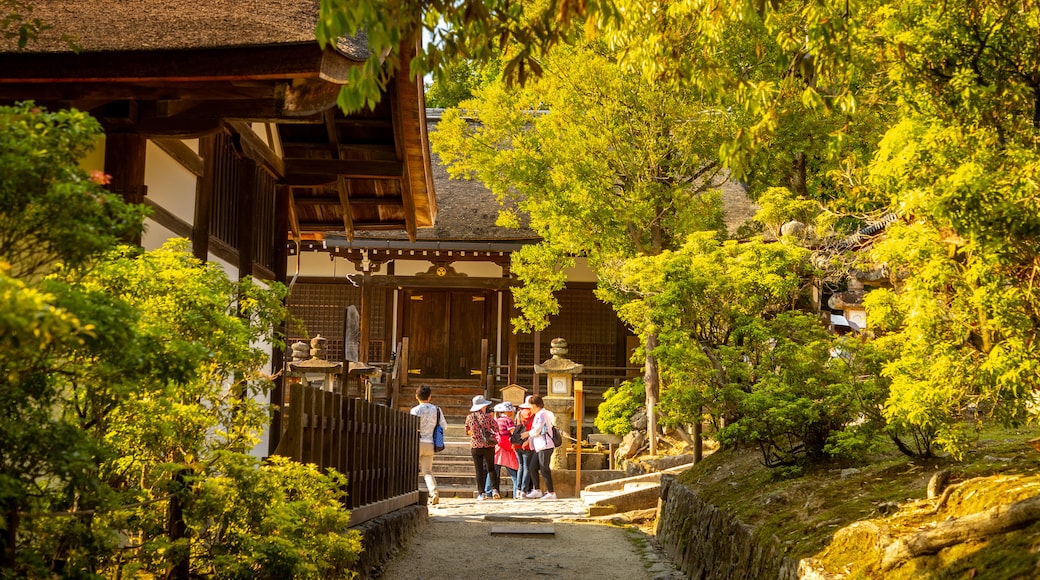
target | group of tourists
x=518, y=439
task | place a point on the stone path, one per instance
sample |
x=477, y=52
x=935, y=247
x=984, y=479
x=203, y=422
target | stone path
x=458, y=543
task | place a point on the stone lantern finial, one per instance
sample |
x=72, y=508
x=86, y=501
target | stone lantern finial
x=318, y=346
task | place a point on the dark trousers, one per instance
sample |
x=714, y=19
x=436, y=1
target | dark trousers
x=529, y=480
x=543, y=465
x=484, y=463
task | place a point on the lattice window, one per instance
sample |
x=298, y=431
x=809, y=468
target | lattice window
x=583, y=320
x=266, y=196
x=224, y=204
x=320, y=308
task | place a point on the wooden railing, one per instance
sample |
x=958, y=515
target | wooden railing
x=376, y=447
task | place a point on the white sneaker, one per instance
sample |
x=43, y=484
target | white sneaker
x=520, y=495
x=534, y=494
x=481, y=497
x=549, y=495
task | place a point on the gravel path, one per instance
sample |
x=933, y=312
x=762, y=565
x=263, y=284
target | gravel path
x=458, y=543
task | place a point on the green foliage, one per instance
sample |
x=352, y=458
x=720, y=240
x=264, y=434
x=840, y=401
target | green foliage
x=456, y=32
x=457, y=82
x=619, y=404
x=130, y=380
x=566, y=153
x=927, y=112
x=281, y=520
x=798, y=399
x=51, y=212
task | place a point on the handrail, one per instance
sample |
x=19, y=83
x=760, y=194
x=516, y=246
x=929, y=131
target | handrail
x=366, y=442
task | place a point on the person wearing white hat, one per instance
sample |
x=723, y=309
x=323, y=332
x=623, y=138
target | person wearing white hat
x=483, y=432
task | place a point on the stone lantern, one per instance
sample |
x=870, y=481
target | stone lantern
x=314, y=371
x=559, y=372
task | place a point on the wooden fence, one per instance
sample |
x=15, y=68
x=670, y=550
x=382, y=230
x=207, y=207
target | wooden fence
x=376, y=447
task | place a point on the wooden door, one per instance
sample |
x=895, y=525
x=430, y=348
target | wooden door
x=444, y=330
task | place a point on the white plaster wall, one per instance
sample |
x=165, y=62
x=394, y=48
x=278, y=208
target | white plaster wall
x=170, y=185
x=475, y=269
x=230, y=270
x=155, y=235
x=319, y=264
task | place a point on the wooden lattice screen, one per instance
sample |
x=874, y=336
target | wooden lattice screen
x=226, y=207
x=319, y=307
x=589, y=325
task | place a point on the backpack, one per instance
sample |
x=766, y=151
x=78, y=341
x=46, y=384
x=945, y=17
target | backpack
x=438, y=434
x=557, y=438
x=518, y=430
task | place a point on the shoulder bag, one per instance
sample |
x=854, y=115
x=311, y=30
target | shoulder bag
x=438, y=434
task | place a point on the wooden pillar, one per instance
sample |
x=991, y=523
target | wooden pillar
x=281, y=258
x=246, y=215
x=366, y=316
x=537, y=353
x=513, y=347
x=204, y=197
x=125, y=163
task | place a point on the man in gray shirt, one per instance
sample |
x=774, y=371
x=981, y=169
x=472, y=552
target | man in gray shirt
x=429, y=417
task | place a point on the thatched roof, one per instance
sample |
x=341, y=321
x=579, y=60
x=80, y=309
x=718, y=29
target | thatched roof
x=135, y=25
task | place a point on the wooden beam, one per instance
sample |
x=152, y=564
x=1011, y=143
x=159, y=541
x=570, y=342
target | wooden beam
x=396, y=100
x=354, y=200
x=204, y=198
x=166, y=219
x=348, y=214
x=255, y=148
x=240, y=63
x=446, y=282
x=304, y=97
x=348, y=168
x=294, y=220
x=125, y=163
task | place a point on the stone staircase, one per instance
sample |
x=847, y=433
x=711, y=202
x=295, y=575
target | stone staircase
x=453, y=467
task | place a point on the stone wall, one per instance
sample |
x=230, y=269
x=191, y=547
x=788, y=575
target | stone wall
x=382, y=536
x=706, y=543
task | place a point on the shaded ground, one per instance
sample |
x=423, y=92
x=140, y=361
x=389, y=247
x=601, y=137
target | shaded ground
x=458, y=543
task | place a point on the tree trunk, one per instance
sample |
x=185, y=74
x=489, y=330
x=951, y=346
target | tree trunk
x=986, y=523
x=798, y=185
x=651, y=379
x=181, y=565
x=698, y=446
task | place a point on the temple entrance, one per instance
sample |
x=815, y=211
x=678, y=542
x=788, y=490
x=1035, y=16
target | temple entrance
x=444, y=330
